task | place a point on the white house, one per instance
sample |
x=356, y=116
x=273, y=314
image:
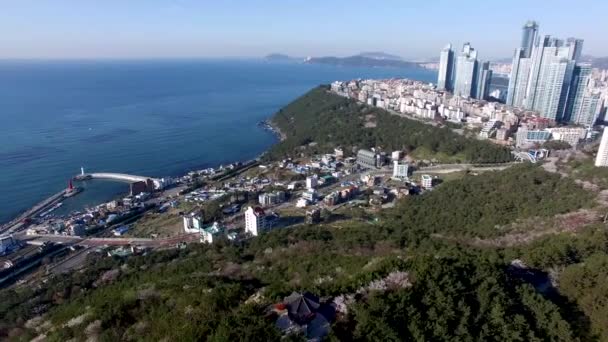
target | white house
x=193, y=222
x=400, y=170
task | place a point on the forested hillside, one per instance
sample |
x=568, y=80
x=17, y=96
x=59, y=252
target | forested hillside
x=327, y=120
x=450, y=291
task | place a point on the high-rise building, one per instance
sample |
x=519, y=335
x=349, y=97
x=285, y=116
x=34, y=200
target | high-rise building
x=484, y=76
x=528, y=37
x=582, y=106
x=576, y=48
x=518, y=80
x=550, y=76
x=466, y=72
x=446, y=69
x=602, y=153
x=552, y=93
x=541, y=80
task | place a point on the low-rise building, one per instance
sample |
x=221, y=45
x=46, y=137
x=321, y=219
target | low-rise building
x=310, y=195
x=211, y=233
x=526, y=137
x=193, y=222
x=302, y=203
x=8, y=244
x=571, y=135
x=313, y=215
x=370, y=159
x=271, y=198
x=427, y=181
x=311, y=182
x=400, y=170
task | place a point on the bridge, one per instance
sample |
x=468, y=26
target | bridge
x=532, y=156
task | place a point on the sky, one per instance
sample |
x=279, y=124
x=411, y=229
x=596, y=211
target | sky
x=413, y=29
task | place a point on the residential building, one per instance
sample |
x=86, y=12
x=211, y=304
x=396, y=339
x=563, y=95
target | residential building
x=426, y=181
x=400, y=170
x=488, y=129
x=571, y=135
x=583, y=103
x=193, y=222
x=313, y=216
x=528, y=37
x=545, y=78
x=310, y=195
x=484, y=76
x=446, y=69
x=465, y=83
x=551, y=73
x=271, y=198
x=576, y=48
x=338, y=151
x=502, y=134
x=311, y=182
x=211, y=233
x=602, y=153
x=302, y=203
x=526, y=137
x=370, y=159
x=255, y=221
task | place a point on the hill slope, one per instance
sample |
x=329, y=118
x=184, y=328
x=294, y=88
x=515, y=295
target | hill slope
x=330, y=121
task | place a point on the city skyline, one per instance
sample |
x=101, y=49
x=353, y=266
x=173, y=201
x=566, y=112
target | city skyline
x=186, y=28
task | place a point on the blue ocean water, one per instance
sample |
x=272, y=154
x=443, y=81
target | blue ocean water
x=154, y=118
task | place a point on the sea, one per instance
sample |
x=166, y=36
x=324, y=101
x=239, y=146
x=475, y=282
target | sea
x=146, y=117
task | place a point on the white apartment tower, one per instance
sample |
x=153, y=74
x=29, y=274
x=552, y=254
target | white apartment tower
x=602, y=153
x=466, y=72
x=446, y=68
x=255, y=221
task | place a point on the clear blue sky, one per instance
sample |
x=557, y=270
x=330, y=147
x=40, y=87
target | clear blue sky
x=217, y=28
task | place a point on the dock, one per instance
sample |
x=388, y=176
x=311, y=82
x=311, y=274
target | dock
x=17, y=223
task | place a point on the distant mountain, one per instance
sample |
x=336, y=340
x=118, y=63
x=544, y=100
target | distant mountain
x=380, y=55
x=361, y=61
x=279, y=57
x=597, y=62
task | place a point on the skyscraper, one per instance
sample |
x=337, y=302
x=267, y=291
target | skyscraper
x=551, y=74
x=518, y=80
x=446, y=69
x=466, y=72
x=484, y=75
x=580, y=82
x=576, y=48
x=602, y=153
x=545, y=78
x=528, y=37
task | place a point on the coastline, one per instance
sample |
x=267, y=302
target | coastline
x=269, y=125
x=266, y=124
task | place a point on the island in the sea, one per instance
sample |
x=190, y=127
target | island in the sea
x=364, y=59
